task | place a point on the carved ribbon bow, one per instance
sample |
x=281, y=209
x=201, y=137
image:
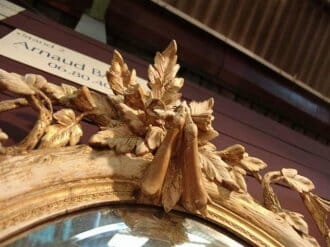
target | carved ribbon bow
x=179, y=150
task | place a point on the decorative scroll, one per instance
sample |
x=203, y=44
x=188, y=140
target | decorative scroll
x=154, y=124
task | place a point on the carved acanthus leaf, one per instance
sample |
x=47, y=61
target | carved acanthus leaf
x=322, y=203
x=66, y=131
x=101, y=110
x=319, y=209
x=121, y=139
x=206, y=136
x=120, y=78
x=252, y=164
x=163, y=82
x=214, y=167
x=296, y=220
x=238, y=174
x=201, y=113
x=123, y=82
x=134, y=118
x=136, y=97
x=297, y=182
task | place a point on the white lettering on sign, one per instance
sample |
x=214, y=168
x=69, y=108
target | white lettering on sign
x=57, y=60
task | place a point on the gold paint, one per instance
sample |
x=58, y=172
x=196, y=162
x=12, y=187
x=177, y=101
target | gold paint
x=156, y=150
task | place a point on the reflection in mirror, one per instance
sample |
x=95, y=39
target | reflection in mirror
x=127, y=227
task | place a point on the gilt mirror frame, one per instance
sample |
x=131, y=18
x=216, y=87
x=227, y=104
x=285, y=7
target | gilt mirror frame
x=152, y=148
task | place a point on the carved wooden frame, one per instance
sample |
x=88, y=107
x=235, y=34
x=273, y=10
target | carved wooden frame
x=152, y=149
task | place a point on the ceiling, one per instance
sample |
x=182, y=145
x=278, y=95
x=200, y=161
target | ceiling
x=290, y=36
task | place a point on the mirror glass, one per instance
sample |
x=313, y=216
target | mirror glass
x=128, y=227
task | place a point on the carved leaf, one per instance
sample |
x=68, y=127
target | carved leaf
x=7, y=105
x=311, y=240
x=319, y=209
x=59, y=92
x=14, y=84
x=84, y=99
x=136, y=97
x=65, y=117
x=162, y=81
x=141, y=148
x=154, y=137
x=172, y=188
x=51, y=90
x=201, y=113
x=119, y=76
x=35, y=81
x=233, y=154
x=101, y=111
x=76, y=134
x=172, y=96
x=214, y=167
x=134, y=118
x=238, y=174
x=123, y=82
x=252, y=164
x=3, y=136
x=68, y=89
x=236, y=156
x=120, y=139
x=324, y=204
x=206, y=136
x=296, y=220
x=298, y=183
x=67, y=131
